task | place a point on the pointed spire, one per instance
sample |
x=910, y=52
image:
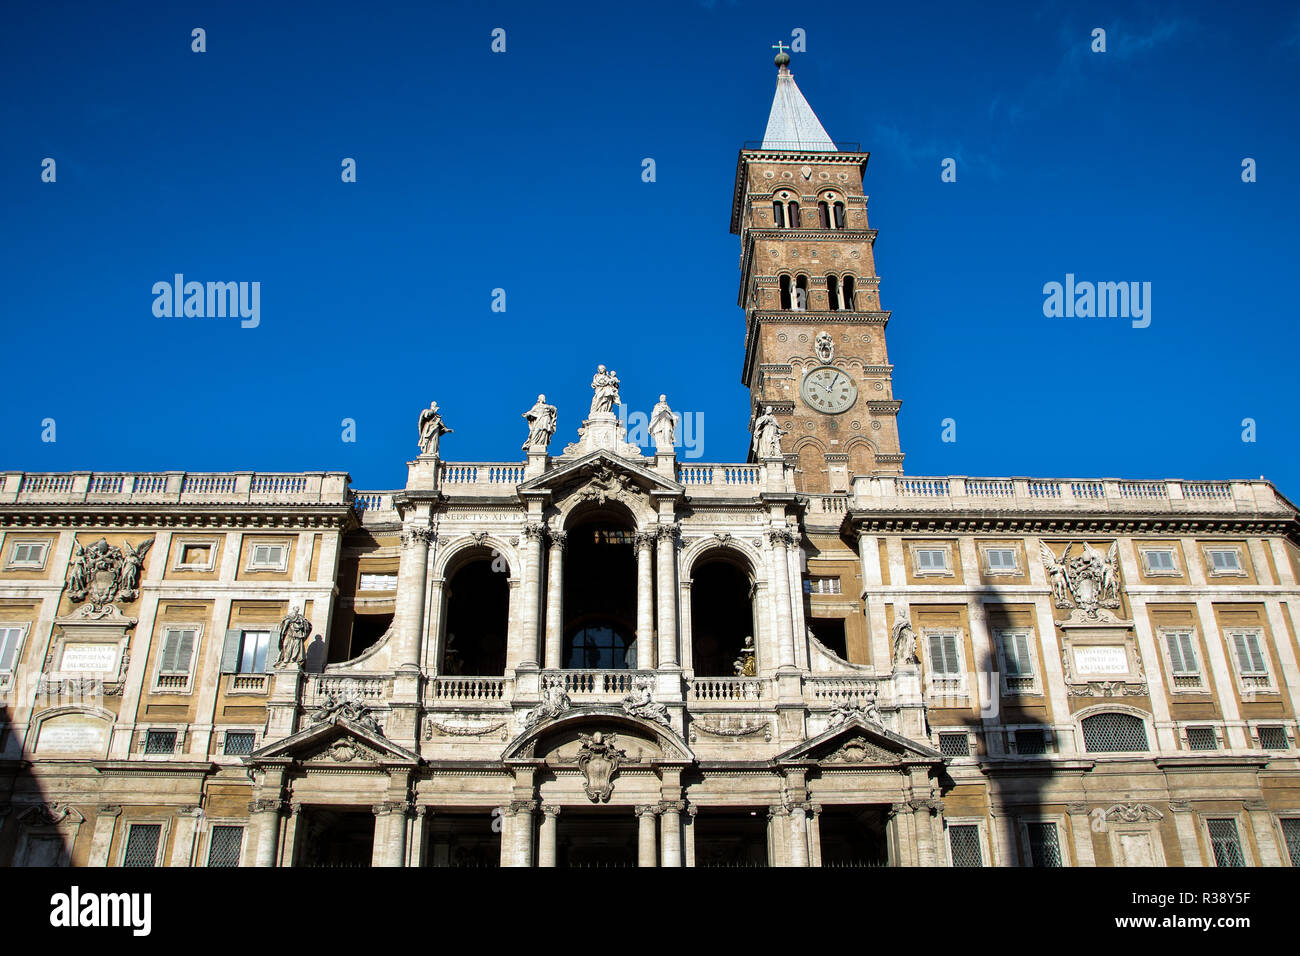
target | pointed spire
x=792, y=124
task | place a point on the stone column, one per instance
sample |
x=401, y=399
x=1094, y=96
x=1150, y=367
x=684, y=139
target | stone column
x=814, y=834
x=265, y=813
x=798, y=835
x=531, y=652
x=506, y=815
x=1081, y=829
x=432, y=652
x=186, y=829
x=645, y=847
x=670, y=831
x=390, y=834
x=555, y=601
x=688, y=836
x=409, y=609
x=778, y=835
x=102, y=839
x=546, y=835
x=523, y=826
x=901, y=842
x=666, y=568
x=645, y=601
x=780, y=540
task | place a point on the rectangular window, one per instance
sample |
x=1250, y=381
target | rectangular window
x=944, y=661
x=823, y=585
x=252, y=651
x=1291, y=834
x=1226, y=843
x=1224, y=561
x=378, y=582
x=1044, y=846
x=1202, y=738
x=160, y=742
x=28, y=554
x=931, y=559
x=1160, y=562
x=954, y=745
x=1182, y=660
x=267, y=557
x=177, y=651
x=1015, y=651
x=142, y=844
x=197, y=555
x=11, y=639
x=223, y=850
x=239, y=743
x=1272, y=738
x=1001, y=559
x=964, y=841
x=1250, y=659
x=1031, y=742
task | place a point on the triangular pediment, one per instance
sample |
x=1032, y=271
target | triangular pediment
x=605, y=470
x=336, y=742
x=858, y=741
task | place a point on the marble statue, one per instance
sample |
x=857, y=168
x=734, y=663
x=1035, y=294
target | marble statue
x=745, y=665
x=541, y=425
x=294, y=631
x=767, y=435
x=605, y=386
x=663, y=425
x=641, y=702
x=905, y=643
x=825, y=347
x=432, y=428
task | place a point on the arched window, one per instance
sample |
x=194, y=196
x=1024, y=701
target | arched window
x=801, y=294
x=1113, y=733
x=830, y=211
x=601, y=647
x=824, y=214
x=785, y=210
x=839, y=215
x=793, y=209
x=478, y=617
x=848, y=294
x=778, y=213
x=600, y=594
x=833, y=292
x=785, y=293
x=722, y=618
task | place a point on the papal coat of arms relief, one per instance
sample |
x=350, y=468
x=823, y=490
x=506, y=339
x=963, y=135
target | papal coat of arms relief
x=104, y=573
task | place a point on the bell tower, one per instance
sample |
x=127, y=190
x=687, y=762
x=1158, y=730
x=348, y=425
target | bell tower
x=814, y=331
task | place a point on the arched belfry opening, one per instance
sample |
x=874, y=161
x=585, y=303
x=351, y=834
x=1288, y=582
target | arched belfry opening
x=600, y=597
x=478, y=616
x=722, y=615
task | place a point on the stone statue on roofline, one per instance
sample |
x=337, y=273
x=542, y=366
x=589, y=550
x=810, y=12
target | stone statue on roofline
x=541, y=420
x=432, y=428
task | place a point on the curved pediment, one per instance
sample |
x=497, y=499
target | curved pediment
x=558, y=741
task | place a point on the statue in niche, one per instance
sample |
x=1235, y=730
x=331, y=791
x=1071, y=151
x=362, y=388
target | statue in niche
x=294, y=631
x=605, y=387
x=745, y=665
x=432, y=428
x=767, y=435
x=663, y=425
x=541, y=425
x=905, y=643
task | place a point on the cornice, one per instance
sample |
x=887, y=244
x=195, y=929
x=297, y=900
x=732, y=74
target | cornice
x=1021, y=522
x=165, y=516
x=754, y=322
x=747, y=156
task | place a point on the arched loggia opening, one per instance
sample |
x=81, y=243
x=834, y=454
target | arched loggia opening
x=478, y=618
x=722, y=616
x=600, y=593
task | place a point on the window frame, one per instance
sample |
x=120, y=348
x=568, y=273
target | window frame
x=1213, y=729
x=239, y=663
x=361, y=581
x=982, y=835
x=1149, y=570
x=1027, y=853
x=164, y=830
x=944, y=548
x=1255, y=726
x=13, y=564
x=24, y=628
x=945, y=683
x=1212, y=572
x=213, y=825
x=1242, y=844
x=159, y=673
x=1261, y=645
x=986, y=565
x=1034, y=685
x=253, y=565
x=1147, y=731
x=1172, y=676
x=212, y=544
x=225, y=736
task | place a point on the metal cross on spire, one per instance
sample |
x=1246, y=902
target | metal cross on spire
x=780, y=47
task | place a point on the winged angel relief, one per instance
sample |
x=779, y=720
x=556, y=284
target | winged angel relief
x=104, y=573
x=1087, y=581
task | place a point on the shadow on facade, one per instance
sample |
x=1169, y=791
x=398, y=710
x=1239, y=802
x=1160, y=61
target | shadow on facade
x=33, y=832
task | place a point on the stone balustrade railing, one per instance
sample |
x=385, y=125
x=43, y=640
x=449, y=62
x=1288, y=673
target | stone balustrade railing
x=174, y=487
x=960, y=493
x=712, y=689
x=597, y=683
x=470, y=477
x=469, y=689
x=371, y=689
x=824, y=690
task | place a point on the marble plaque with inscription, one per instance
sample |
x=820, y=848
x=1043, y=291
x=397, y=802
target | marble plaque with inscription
x=89, y=658
x=1109, y=660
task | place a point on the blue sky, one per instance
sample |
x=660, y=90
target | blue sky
x=522, y=170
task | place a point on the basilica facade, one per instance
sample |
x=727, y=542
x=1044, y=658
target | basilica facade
x=605, y=656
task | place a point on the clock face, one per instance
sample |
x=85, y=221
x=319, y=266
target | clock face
x=829, y=389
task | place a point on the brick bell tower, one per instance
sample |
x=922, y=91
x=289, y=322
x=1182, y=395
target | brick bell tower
x=814, y=332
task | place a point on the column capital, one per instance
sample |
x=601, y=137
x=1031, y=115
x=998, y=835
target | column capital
x=900, y=808
x=1180, y=806
x=391, y=806
x=672, y=806
x=551, y=810
x=534, y=531
x=417, y=536
x=559, y=540
x=646, y=809
x=778, y=810
x=107, y=810
x=644, y=540
x=522, y=806
x=783, y=537
x=265, y=805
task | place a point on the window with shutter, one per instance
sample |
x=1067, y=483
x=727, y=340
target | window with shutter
x=1001, y=559
x=231, y=651
x=1159, y=562
x=1225, y=561
x=178, y=649
x=943, y=655
x=931, y=560
x=10, y=639
x=28, y=554
x=1182, y=660
x=1250, y=660
x=253, y=651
